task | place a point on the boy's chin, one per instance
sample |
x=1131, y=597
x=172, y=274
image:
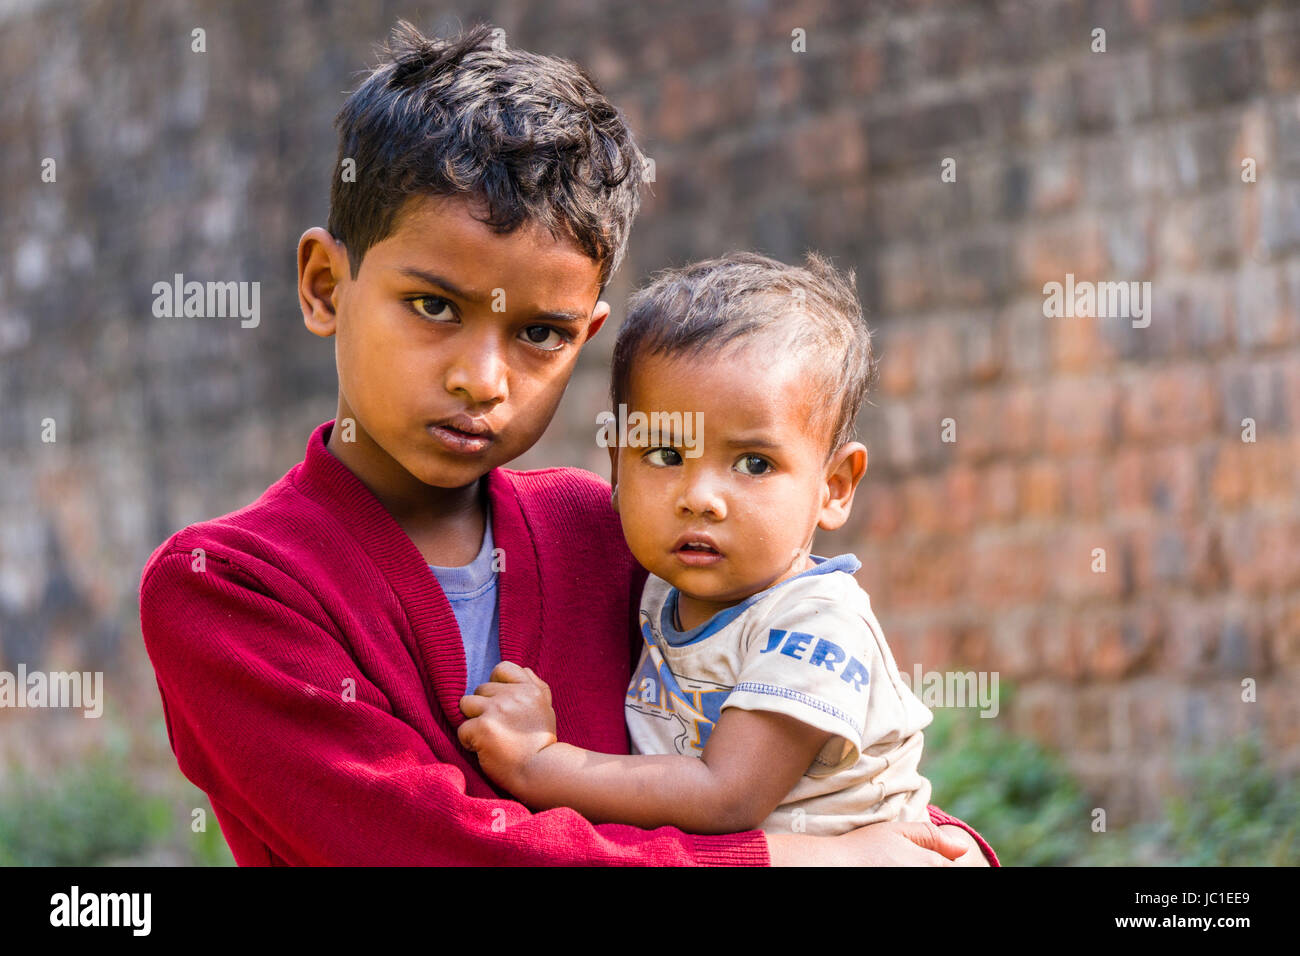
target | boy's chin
x=454, y=475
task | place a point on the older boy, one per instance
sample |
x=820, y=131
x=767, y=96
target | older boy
x=309, y=661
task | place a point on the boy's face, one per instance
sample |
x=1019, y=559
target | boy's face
x=454, y=343
x=759, y=483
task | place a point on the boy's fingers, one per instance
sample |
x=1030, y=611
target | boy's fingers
x=472, y=705
x=930, y=837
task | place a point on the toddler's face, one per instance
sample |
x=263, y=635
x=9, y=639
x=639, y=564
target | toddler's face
x=739, y=515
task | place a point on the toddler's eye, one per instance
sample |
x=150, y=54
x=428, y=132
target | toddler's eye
x=433, y=307
x=663, y=457
x=753, y=465
x=540, y=335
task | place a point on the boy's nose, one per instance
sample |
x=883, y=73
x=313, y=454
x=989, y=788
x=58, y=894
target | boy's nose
x=479, y=371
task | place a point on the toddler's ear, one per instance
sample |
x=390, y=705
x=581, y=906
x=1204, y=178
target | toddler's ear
x=843, y=472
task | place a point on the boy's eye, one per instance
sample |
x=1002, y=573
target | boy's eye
x=433, y=307
x=544, y=337
x=753, y=465
x=663, y=457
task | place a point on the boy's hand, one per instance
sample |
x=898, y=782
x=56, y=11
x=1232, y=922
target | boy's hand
x=973, y=856
x=511, y=720
x=892, y=843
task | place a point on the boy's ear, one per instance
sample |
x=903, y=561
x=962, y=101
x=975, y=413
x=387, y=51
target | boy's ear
x=598, y=317
x=843, y=472
x=322, y=266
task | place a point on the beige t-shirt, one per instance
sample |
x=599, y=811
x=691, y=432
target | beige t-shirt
x=811, y=648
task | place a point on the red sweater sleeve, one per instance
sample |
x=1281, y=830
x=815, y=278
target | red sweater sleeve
x=258, y=698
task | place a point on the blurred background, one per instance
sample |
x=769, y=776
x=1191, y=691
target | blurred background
x=957, y=155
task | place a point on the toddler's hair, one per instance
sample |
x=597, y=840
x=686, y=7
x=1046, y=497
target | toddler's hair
x=745, y=298
x=530, y=135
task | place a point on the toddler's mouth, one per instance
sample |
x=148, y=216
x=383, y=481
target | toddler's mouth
x=696, y=550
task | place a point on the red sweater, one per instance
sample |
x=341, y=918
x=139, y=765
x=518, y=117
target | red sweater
x=310, y=670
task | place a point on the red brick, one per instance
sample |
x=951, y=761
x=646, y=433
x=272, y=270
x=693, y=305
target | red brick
x=1271, y=469
x=1007, y=571
x=1166, y=404
x=978, y=424
x=1230, y=480
x=1080, y=414
x=927, y=574
x=905, y=278
x=1172, y=479
x=1015, y=643
x=938, y=360
x=1092, y=719
x=1128, y=482
x=1208, y=564
x=982, y=347
x=1071, y=555
x=1262, y=553
x=829, y=148
x=1285, y=640
x=962, y=491
x=1061, y=648
x=1264, y=316
x=896, y=350
x=1085, y=494
x=923, y=505
x=1042, y=489
x=1077, y=343
x=882, y=508
x=1047, y=253
x=1044, y=713
x=1021, y=422
x=1000, y=500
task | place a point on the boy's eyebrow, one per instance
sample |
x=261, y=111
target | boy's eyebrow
x=552, y=315
x=430, y=279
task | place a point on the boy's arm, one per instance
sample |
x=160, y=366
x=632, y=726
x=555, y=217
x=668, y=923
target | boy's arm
x=270, y=714
x=752, y=760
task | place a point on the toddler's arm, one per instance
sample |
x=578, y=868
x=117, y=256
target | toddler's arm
x=752, y=760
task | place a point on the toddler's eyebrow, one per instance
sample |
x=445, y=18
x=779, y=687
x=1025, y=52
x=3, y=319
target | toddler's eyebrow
x=755, y=441
x=550, y=315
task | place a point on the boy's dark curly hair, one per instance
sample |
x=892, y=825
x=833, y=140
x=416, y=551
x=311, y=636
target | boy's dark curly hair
x=530, y=136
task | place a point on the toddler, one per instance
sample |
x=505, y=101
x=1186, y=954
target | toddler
x=766, y=695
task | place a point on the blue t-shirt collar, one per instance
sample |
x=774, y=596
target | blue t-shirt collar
x=843, y=562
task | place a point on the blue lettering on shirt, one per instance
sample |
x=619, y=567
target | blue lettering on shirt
x=825, y=653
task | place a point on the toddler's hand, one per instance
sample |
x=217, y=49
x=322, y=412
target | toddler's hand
x=510, y=720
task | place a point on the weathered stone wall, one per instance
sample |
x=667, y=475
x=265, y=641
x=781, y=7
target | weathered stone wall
x=1072, y=434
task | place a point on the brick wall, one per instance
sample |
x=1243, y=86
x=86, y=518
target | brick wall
x=1072, y=434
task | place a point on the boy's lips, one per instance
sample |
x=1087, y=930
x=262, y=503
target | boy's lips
x=462, y=434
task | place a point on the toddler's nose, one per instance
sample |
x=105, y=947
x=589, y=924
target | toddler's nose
x=703, y=497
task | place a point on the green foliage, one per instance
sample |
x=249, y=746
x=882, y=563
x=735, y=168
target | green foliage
x=97, y=814
x=1232, y=809
x=1235, y=811
x=1019, y=796
x=91, y=816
